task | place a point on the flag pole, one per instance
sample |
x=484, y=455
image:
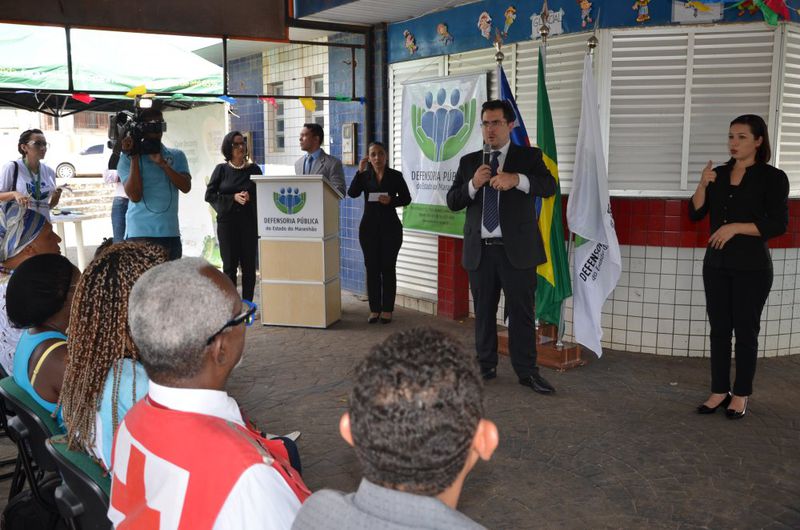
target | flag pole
x=591, y=44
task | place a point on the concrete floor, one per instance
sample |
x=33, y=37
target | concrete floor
x=618, y=446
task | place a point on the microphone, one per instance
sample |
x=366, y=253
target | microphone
x=487, y=150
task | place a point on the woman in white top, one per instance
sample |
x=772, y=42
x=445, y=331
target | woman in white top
x=28, y=180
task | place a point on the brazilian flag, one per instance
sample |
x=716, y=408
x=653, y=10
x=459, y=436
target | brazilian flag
x=553, y=280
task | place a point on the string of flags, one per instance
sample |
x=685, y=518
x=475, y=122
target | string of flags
x=308, y=103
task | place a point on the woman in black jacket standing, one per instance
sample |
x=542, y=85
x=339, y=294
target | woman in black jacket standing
x=380, y=232
x=233, y=195
x=747, y=201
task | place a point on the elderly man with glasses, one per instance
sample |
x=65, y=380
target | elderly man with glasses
x=184, y=457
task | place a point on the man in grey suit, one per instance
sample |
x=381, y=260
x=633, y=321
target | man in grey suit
x=502, y=243
x=316, y=161
x=415, y=419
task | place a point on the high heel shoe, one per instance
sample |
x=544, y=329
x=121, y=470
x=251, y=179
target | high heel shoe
x=736, y=414
x=703, y=409
x=385, y=320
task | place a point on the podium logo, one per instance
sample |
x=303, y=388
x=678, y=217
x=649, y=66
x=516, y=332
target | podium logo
x=289, y=200
x=443, y=127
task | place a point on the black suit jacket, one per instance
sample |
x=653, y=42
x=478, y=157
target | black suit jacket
x=378, y=219
x=521, y=238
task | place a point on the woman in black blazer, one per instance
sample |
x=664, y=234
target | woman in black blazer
x=232, y=194
x=380, y=232
x=747, y=201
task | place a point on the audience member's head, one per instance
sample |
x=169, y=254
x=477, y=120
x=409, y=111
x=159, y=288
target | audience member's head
x=416, y=413
x=24, y=233
x=40, y=291
x=185, y=319
x=103, y=246
x=99, y=335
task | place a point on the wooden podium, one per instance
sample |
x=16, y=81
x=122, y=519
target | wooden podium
x=298, y=225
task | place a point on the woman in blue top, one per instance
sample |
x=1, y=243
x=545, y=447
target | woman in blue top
x=38, y=299
x=104, y=378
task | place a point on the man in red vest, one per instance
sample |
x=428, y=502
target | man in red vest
x=183, y=457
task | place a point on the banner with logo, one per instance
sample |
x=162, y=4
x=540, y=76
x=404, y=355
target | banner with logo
x=198, y=132
x=441, y=123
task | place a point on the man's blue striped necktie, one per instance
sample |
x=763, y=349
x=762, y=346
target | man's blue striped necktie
x=491, y=212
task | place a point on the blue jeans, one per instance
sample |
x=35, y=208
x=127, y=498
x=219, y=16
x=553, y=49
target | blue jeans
x=118, y=210
x=171, y=244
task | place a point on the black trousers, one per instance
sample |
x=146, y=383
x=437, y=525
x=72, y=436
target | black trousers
x=734, y=302
x=380, y=258
x=519, y=286
x=238, y=246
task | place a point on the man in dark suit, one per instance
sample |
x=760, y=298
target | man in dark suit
x=502, y=243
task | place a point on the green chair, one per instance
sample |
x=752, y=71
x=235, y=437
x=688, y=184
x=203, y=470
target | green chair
x=82, y=498
x=31, y=426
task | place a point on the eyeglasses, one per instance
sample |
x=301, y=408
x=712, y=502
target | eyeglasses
x=247, y=316
x=493, y=123
x=39, y=144
x=240, y=144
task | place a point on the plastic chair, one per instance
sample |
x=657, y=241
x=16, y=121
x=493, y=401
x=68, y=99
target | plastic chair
x=15, y=461
x=29, y=429
x=82, y=499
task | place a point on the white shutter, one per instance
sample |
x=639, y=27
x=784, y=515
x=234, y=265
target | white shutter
x=673, y=93
x=648, y=80
x=417, y=262
x=477, y=62
x=788, y=147
x=564, y=72
x=731, y=76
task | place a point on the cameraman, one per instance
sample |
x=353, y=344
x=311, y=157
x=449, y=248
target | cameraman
x=152, y=175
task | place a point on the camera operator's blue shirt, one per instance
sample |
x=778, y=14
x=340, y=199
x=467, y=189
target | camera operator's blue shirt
x=156, y=215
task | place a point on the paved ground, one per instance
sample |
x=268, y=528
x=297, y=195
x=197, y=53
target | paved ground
x=618, y=446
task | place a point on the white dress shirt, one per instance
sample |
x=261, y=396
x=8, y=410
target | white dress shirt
x=524, y=186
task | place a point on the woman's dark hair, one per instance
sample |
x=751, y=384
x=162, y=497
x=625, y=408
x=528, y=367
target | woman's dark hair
x=227, y=145
x=377, y=144
x=38, y=289
x=25, y=137
x=759, y=129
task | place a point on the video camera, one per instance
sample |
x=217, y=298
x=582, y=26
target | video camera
x=126, y=123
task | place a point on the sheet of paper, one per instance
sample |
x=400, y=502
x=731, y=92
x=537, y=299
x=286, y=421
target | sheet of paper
x=373, y=197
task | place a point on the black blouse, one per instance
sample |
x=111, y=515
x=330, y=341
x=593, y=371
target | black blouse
x=226, y=181
x=761, y=198
x=377, y=215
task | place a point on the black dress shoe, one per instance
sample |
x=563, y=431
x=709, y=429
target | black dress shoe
x=736, y=414
x=490, y=373
x=703, y=409
x=538, y=384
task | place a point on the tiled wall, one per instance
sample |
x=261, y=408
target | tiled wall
x=351, y=271
x=246, y=77
x=658, y=306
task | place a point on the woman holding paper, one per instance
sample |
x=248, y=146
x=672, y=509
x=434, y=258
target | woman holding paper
x=746, y=200
x=380, y=232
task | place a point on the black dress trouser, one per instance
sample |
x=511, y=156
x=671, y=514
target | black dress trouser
x=380, y=259
x=238, y=246
x=734, y=302
x=494, y=273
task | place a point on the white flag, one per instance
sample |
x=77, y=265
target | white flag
x=597, y=259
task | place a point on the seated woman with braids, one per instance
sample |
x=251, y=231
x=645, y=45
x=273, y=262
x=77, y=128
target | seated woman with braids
x=38, y=300
x=104, y=377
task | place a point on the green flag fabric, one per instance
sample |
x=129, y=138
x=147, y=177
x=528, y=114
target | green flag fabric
x=553, y=280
